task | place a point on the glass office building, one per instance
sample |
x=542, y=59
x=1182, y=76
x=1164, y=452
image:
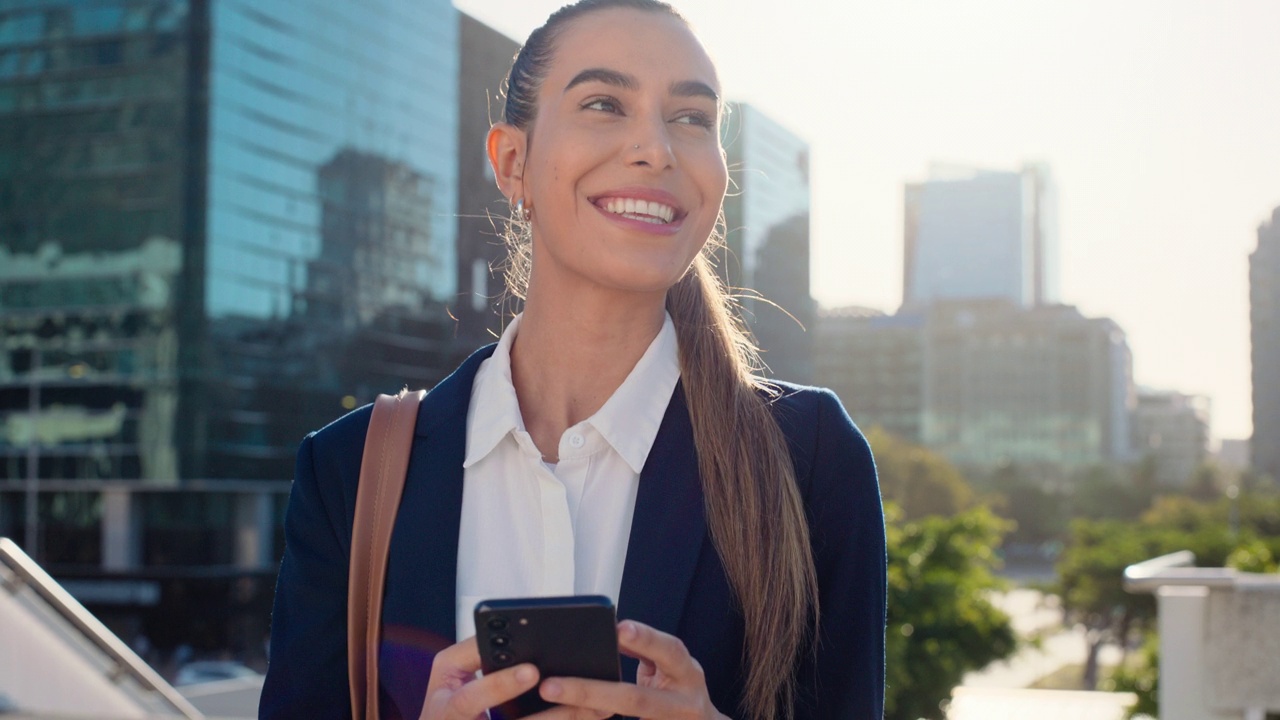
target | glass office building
x=977, y=234
x=221, y=223
x=767, y=236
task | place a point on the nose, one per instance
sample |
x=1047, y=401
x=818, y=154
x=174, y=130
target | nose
x=651, y=146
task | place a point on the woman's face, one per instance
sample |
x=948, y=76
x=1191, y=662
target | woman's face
x=624, y=173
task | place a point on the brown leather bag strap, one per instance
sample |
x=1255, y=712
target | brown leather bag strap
x=382, y=473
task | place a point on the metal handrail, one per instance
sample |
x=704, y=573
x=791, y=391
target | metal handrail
x=127, y=661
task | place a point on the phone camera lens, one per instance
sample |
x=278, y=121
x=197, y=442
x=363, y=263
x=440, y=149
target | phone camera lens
x=500, y=641
x=498, y=623
x=502, y=657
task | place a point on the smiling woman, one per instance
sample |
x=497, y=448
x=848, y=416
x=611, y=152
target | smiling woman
x=616, y=441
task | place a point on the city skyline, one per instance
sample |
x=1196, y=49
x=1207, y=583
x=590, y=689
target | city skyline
x=1157, y=119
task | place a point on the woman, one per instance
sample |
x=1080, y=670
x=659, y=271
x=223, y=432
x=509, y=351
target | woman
x=615, y=441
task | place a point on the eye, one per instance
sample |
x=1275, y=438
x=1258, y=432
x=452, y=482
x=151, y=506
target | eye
x=697, y=118
x=605, y=104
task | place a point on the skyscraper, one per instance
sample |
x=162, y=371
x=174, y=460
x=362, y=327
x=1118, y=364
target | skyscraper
x=187, y=187
x=981, y=234
x=1264, y=303
x=767, y=236
x=486, y=56
x=222, y=224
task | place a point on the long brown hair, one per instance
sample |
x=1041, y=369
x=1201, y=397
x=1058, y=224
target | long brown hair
x=753, y=506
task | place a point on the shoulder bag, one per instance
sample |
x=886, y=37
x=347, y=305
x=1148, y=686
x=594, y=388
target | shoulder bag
x=382, y=473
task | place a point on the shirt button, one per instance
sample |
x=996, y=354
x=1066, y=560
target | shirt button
x=577, y=441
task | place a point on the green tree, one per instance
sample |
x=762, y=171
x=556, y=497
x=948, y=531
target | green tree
x=1142, y=680
x=920, y=481
x=1091, y=573
x=1091, y=568
x=941, y=622
x=1037, y=509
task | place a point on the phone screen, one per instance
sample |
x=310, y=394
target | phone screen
x=574, y=636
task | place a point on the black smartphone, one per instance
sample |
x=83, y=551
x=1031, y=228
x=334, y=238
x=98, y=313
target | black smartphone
x=573, y=636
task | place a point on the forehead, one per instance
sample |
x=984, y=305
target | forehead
x=652, y=46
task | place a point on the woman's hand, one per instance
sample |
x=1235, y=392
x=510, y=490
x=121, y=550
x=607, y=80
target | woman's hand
x=455, y=693
x=669, y=685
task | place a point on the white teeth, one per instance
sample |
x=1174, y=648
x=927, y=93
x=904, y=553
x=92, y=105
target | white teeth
x=646, y=210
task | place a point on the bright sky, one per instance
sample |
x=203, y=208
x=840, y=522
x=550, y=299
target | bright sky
x=1160, y=120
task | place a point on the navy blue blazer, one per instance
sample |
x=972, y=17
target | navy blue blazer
x=672, y=579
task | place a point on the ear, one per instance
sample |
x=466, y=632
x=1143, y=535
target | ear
x=506, y=145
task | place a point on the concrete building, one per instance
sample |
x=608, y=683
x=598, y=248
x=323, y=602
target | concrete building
x=1264, y=304
x=486, y=59
x=1173, y=429
x=1233, y=454
x=986, y=381
x=972, y=233
x=875, y=364
x=767, y=236
x=1027, y=385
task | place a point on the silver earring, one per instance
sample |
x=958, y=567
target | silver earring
x=520, y=211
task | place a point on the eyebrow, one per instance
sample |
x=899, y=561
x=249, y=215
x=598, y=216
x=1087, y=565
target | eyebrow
x=684, y=88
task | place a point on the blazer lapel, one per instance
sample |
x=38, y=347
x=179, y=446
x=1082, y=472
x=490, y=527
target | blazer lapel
x=423, y=565
x=668, y=528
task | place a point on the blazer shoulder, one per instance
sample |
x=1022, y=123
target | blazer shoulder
x=824, y=440
x=345, y=432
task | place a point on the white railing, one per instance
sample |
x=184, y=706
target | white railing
x=1219, y=638
x=118, y=665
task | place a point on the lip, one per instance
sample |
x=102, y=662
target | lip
x=648, y=194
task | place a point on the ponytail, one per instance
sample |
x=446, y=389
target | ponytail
x=753, y=504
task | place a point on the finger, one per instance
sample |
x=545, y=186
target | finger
x=613, y=697
x=665, y=651
x=492, y=690
x=462, y=656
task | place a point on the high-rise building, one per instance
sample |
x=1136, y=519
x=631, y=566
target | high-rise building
x=974, y=234
x=189, y=190
x=875, y=364
x=1264, y=303
x=1172, y=429
x=1027, y=385
x=222, y=223
x=482, y=210
x=767, y=237
x=986, y=381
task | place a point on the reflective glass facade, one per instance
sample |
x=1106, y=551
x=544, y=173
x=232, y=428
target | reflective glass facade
x=94, y=141
x=330, y=232
x=222, y=224
x=981, y=234
x=767, y=236
x=297, y=89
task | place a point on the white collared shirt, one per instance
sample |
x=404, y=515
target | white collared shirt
x=530, y=528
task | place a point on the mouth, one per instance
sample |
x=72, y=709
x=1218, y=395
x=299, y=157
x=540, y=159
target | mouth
x=646, y=210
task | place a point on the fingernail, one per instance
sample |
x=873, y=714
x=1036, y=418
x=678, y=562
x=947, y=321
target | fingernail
x=551, y=689
x=526, y=673
x=629, y=630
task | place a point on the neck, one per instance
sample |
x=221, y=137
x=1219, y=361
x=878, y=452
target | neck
x=572, y=352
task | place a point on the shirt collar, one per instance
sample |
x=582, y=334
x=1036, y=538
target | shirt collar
x=494, y=410
x=628, y=421
x=630, y=418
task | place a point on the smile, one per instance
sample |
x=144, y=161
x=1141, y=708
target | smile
x=642, y=210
